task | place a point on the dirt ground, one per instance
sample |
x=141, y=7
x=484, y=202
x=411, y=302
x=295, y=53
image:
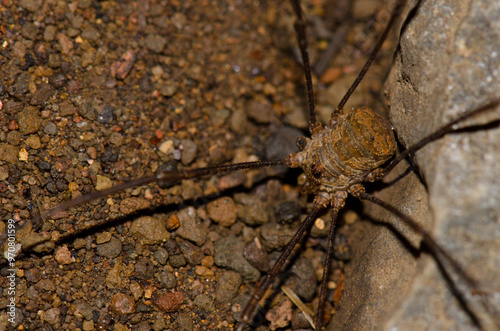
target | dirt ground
x=95, y=93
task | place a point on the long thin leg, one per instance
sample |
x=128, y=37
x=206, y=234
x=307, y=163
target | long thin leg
x=326, y=270
x=481, y=308
x=247, y=313
x=300, y=28
x=428, y=238
x=398, y=7
x=160, y=177
x=448, y=128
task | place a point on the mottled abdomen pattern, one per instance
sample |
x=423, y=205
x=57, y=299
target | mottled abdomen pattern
x=344, y=154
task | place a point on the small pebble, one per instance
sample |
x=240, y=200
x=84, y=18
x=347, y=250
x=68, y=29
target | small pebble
x=103, y=183
x=203, y=271
x=280, y=316
x=287, y=211
x=173, y=223
x=51, y=316
x=222, y=211
x=167, y=147
x=46, y=285
x=149, y=230
x=170, y=302
x=239, y=121
x=33, y=141
x=49, y=33
x=167, y=280
x=84, y=309
x=111, y=249
x=88, y=325
x=110, y=155
x=251, y=209
x=130, y=205
x=123, y=304
x=31, y=5
x=121, y=68
x=191, y=252
x=161, y=255
x=331, y=75
x=63, y=256
x=256, y=255
x=177, y=261
x=155, y=42
x=43, y=92
x=204, y=303
x=136, y=290
x=29, y=30
x=188, y=151
x=144, y=268
x=72, y=186
x=90, y=33
x=350, y=217
x=168, y=90
x=229, y=254
x=260, y=111
x=303, y=281
x=8, y=153
x=29, y=120
x=276, y=236
x=103, y=237
x=13, y=125
x=105, y=116
x=50, y=129
x=23, y=155
x=190, y=227
x=37, y=242
x=227, y=286
x=4, y=173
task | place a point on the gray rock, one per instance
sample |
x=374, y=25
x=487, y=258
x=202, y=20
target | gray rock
x=204, y=303
x=111, y=249
x=190, y=227
x=50, y=129
x=84, y=308
x=191, y=252
x=167, y=280
x=177, y=261
x=448, y=63
x=90, y=34
x=188, y=151
x=43, y=92
x=52, y=315
x=229, y=254
x=161, y=255
x=227, y=286
x=29, y=30
x=155, y=42
x=251, y=209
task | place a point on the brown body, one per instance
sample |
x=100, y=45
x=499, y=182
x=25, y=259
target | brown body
x=342, y=155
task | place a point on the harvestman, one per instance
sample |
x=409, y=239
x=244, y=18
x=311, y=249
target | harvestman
x=334, y=166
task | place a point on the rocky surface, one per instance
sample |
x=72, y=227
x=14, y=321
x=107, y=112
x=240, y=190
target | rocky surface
x=448, y=63
x=95, y=93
